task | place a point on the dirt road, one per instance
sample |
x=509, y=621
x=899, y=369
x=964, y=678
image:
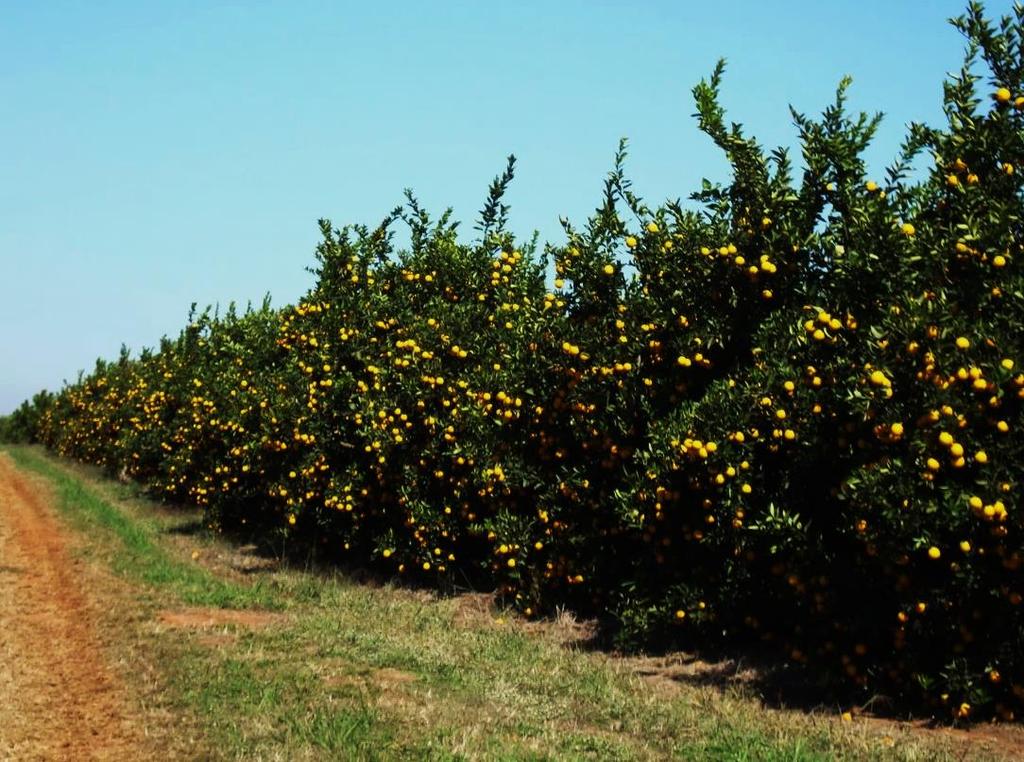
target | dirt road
x=59, y=698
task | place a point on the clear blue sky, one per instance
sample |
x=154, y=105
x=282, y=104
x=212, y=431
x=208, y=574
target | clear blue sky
x=154, y=154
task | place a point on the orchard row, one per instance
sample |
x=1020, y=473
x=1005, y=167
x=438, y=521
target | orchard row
x=788, y=411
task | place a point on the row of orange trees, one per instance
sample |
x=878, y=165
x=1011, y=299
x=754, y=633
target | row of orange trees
x=789, y=411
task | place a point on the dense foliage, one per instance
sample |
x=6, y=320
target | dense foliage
x=788, y=411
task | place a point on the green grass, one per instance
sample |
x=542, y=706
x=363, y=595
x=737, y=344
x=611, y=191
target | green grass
x=355, y=671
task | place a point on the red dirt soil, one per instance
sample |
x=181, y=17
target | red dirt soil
x=59, y=698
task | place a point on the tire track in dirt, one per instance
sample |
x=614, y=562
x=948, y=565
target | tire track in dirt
x=59, y=699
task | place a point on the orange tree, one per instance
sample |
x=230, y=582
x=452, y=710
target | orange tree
x=857, y=507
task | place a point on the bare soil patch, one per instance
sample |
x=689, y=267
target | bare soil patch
x=382, y=679
x=59, y=697
x=203, y=618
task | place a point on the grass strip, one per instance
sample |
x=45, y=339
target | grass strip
x=139, y=553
